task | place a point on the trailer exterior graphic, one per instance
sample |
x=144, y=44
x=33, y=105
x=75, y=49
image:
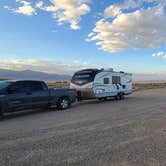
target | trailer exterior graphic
x=95, y=83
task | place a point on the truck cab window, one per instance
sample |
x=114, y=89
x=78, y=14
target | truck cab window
x=17, y=87
x=35, y=86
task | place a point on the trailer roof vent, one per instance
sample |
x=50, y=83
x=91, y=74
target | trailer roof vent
x=109, y=69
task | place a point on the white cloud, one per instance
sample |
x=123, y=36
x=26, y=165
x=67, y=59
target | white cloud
x=159, y=54
x=112, y=11
x=64, y=11
x=25, y=8
x=41, y=6
x=115, y=10
x=141, y=29
x=67, y=11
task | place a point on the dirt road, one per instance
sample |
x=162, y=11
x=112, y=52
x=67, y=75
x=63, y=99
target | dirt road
x=131, y=132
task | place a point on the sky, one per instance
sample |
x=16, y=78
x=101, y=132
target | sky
x=63, y=36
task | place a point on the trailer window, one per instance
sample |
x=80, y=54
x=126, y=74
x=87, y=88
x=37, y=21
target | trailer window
x=116, y=80
x=83, y=78
x=106, y=80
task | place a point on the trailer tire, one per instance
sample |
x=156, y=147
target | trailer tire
x=63, y=103
x=1, y=113
x=122, y=96
x=100, y=99
x=119, y=96
x=103, y=99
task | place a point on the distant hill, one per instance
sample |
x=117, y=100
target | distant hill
x=149, y=77
x=29, y=74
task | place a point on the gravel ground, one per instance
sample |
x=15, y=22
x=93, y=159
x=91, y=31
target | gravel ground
x=131, y=132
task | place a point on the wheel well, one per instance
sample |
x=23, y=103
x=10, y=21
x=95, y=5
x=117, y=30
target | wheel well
x=62, y=97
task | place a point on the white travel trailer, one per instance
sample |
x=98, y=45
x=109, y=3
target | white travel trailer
x=101, y=83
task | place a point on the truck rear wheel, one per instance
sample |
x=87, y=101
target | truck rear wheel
x=63, y=103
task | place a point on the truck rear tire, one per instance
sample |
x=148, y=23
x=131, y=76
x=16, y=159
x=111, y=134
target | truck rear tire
x=63, y=103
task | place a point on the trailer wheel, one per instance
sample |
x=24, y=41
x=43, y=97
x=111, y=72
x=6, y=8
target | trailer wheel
x=118, y=96
x=1, y=113
x=105, y=98
x=63, y=103
x=100, y=99
x=122, y=96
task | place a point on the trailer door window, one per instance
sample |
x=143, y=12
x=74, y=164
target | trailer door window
x=116, y=80
x=106, y=80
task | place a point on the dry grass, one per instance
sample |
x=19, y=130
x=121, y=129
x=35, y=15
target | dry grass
x=148, y=85
x=53, y=84
x=3, y=79
x=136, y=86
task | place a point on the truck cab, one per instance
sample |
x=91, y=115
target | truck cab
x=24, y=94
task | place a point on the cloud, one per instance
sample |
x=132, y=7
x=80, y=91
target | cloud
x=25, y=9
x=67, y=11
x=112, y=11
x=63, y=11
x=159, y=54
x=115, y=10
x=142, y=28
x=47, y=66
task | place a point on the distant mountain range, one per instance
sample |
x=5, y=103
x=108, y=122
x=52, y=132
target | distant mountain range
x=35, y=75
x=149, y=77
x=29, y=74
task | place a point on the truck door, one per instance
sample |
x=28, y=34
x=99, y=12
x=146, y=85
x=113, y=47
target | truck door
x=18, y=97
x=39, y=94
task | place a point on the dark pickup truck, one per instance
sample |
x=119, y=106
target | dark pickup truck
x=26, y=94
